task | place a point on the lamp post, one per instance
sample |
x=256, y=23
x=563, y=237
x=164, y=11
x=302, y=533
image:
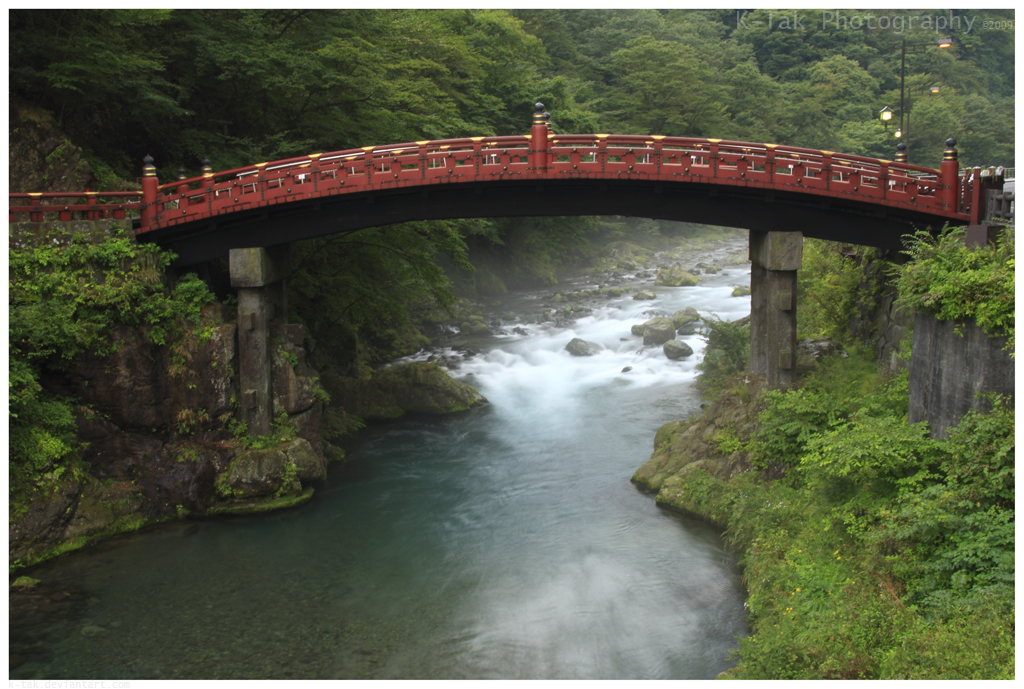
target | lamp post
x=910, y=92
x=942, y=43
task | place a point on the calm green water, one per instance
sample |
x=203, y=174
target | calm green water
x=504, y=543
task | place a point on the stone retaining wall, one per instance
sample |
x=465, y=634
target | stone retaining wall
x=952, y=363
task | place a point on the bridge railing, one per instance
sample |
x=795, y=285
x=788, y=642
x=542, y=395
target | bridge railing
x=719, y=161
x=562, y=156
x=71, y=205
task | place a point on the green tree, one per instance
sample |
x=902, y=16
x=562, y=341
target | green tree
x=664, y=88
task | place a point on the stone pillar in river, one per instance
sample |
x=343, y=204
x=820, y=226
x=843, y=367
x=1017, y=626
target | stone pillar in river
x=259, y=277
x=774, y=259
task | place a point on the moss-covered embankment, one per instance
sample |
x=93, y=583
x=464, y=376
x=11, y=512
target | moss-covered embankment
x=870, y=549
x=124, y=396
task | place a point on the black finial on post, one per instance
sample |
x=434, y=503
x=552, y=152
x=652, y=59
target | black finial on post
x=950, y=152
x=901, y=152
x=207, y=168
x=181, y=173
x=148, y=169
x=538, y=114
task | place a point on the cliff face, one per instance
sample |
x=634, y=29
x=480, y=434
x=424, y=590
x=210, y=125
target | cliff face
x=953, y=363
x=156, y=430
x=39, y=156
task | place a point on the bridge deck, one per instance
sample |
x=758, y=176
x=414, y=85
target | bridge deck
x=594, y=165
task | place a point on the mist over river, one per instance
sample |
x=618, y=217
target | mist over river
x=506, y=542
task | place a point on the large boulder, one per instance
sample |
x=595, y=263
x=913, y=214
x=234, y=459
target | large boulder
x=578, y=347
x=658, y=331
x=421, y=388
x=637, y=329
x=254, y=473
x=675, y=349
x=309, y=465
x=675, y=277
x=644, y=294
x=273, y=471
x=687, y=315
x=100, y=505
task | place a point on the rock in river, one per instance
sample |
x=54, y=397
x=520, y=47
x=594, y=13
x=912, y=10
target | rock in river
x=675, y=349
x=658, y=331
x=687, y=315
x=675, y=277
x=578, y=347
x=645, y=294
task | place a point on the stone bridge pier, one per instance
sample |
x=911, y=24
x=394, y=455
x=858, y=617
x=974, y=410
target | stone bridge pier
x=774, y=259
x=258, y=275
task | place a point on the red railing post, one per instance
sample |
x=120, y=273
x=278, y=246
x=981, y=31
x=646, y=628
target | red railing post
x=539, y=142
x=36, y=200
x=976, y=188
x=950, y=175
x=826, y=167
x=713, y=156
x=150, y=186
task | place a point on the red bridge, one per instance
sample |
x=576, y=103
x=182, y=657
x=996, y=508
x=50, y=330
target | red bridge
x=779, y=193
x=754, y=186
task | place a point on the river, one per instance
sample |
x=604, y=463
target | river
x=506, y=542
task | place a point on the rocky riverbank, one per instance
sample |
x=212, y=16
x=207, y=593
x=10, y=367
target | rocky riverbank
x=157, y=423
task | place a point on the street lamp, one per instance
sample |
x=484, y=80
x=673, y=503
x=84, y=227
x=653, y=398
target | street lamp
x=910, y=92
x=942, y=43
x=885, y=114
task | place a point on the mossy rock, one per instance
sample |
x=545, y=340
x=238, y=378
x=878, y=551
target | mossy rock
x=741, y=291
x=258, y=505
x=25, y=583
x=676, y=349
x=392, y=392
x=675, y=277
x=687, y=315
x=658, y=331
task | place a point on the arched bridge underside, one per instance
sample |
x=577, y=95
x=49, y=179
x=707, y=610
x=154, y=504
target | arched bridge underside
x=850, y=221
x=759, y=187
x=780, y=193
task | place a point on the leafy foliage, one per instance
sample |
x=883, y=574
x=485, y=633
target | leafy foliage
x=954, y=282
x=727, y=353
x=826, y=289
x=880, y=540
x=64, y=300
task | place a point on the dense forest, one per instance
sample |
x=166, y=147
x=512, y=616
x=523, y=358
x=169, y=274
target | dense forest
x=241, y=86
x=244, y=86
x=917, y=534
